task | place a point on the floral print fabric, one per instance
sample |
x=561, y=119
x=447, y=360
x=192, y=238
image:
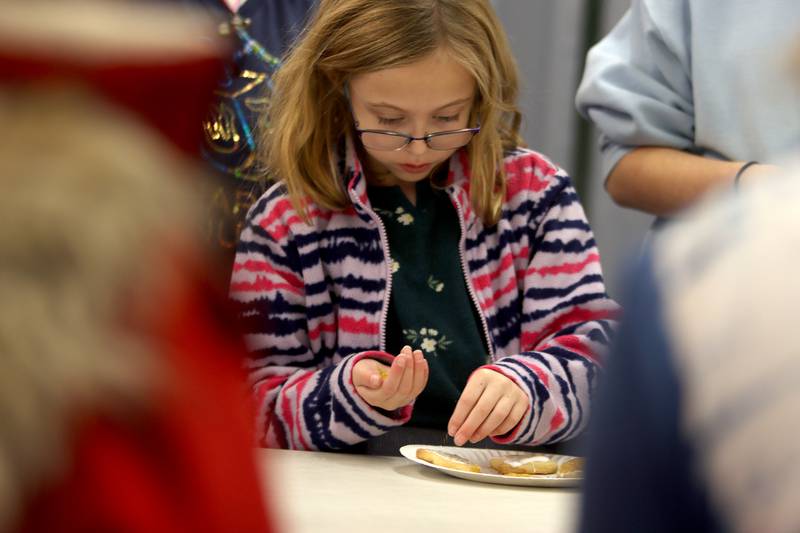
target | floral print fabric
x=430, y=309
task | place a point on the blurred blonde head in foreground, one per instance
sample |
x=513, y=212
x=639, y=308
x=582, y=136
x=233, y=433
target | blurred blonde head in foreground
x=88, y=197
x=122, y=401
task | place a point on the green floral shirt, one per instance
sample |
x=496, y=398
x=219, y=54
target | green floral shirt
x=430, y=307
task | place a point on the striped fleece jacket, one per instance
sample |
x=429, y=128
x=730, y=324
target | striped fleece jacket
x=313, y=298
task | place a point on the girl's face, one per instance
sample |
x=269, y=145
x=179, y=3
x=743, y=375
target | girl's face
x=432, y=95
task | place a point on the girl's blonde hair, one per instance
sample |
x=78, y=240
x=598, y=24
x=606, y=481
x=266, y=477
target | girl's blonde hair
x=309, y=114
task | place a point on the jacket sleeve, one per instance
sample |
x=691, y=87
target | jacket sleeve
x=637, y=85
x=566, y=320
x=304, y=393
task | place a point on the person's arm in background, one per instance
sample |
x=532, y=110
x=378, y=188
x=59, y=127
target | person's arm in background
x=638, y=90
x=662, y=180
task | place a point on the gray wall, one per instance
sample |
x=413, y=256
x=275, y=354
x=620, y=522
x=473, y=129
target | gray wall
x=546, y=37
x=549, y=41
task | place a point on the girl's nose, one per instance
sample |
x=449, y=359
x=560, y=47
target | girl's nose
x=417, y=147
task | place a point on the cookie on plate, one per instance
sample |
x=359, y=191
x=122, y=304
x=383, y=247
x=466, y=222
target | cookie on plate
x=572, y=467
x=524, y=464
x=449, y=460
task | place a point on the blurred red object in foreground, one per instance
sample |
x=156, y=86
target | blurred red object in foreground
x=123, y=406
x=186, y=463
x=159, y=62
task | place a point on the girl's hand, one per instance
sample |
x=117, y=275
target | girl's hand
x=391, y=387
x=491, y=404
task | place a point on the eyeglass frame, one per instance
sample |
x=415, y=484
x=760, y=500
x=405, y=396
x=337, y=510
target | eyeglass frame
x=410, y=138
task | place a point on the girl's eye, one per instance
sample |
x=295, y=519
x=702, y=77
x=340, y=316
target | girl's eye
x=447, y=118
x=389, y=121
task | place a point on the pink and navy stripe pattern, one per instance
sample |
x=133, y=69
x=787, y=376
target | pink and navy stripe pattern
x=313, y=298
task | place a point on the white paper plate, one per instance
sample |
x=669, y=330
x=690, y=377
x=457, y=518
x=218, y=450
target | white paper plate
x=481, y=458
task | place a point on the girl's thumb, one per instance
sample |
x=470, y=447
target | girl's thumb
x=374, y=381
x=366, y=377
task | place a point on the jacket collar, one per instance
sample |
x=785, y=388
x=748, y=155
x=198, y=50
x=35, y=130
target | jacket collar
x=456, y=185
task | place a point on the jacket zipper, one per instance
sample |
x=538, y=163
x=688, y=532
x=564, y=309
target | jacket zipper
x=474, y=297
x=388, y=265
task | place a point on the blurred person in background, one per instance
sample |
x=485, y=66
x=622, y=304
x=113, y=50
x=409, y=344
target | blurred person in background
x=112, y=338
x=691, y=96
x=695, y=427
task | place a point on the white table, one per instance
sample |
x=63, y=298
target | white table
x=315, y=492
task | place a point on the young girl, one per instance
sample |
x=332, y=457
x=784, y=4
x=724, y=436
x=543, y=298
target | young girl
x=414, y=265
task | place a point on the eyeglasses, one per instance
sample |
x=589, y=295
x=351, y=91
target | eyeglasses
x=393, y=140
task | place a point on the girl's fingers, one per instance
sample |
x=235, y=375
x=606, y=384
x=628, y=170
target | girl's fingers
x=404, y=380
x=420, y=373
x=406, y=360
x=498, y=415
x=513, y=418
x=394, y=377
x=479, y=413
x=469, y=397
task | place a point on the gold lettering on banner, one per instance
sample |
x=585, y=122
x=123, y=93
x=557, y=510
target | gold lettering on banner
x=229, y=142
x=255, y=79
x=221, y=130
x=224, y=132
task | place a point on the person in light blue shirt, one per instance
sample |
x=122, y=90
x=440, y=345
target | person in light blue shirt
x=686, y=93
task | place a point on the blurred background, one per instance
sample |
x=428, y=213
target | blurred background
x=550, y=40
